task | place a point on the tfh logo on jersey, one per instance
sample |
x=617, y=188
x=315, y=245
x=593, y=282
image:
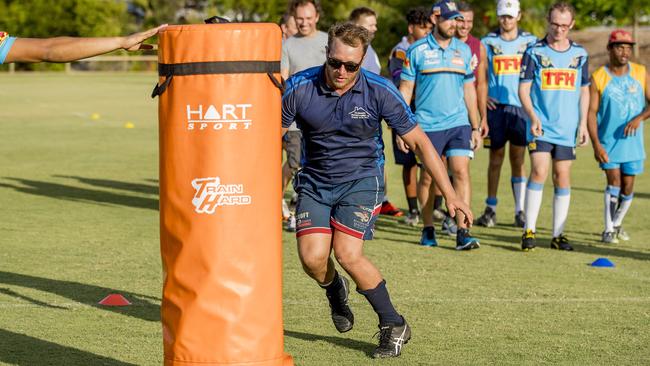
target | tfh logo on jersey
x=559, y=79
x=229, y=117
x=210, y=194
x=506, y=65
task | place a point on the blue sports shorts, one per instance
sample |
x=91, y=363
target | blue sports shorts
x=507, y=123
x=456, y=141
x=558, y=152
x=627, y=168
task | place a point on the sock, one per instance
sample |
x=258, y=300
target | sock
x=491, y=202
x=380, y=301
x=519, y=192
x=561, y=201
x=413, y=204
x=385, y=199
x=611, y=201
x=623, y=206
x=437, y=202
x=534, y=193
x=333, y=287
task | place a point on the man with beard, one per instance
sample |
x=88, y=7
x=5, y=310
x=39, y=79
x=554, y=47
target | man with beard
x=438, y=68
x=339, y=108
x=619, y=91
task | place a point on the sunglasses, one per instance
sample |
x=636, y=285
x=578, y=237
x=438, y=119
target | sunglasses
x=336, y=64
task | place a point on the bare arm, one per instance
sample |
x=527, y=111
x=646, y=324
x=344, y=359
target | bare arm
x=472, y=109
x=583, y=136
x=406, y=88
x=592, y=124
x=527, y=103
x=482, y=91
x=66, y=49
x=284, y=131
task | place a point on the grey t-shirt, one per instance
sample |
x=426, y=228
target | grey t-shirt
x=300, y=53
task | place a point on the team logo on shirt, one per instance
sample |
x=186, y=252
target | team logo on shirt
x=228, y=117
x=496, y=49
x=359, y=113
x=3, y=36
x=506, y=65
x=210, y=194
x=559, y=79
x=575, y=62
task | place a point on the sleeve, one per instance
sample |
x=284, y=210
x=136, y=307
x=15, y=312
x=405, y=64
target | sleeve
x=585, y=72
x=469, y=69
x=410, y=65
x=5, y=45
x=284, y=61
x=527, y=67
x=289, y=109
x=395, y=65
x=395, y=111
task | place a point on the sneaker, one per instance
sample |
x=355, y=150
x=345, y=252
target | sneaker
x=391, y=340
x=528, y=241
x=520, y=219
x=428, y=237
x=285, y=210
x=621, y=234
x=412, y=219
x=465, y=241
x=609, y=237
x=291, y=224
x=449, y=226
x=438, y=214
x=342, y=316
x=561, y=243
x=389, y=209
x=488, y=219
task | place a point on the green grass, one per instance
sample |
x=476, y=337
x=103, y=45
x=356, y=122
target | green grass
x=79, y=220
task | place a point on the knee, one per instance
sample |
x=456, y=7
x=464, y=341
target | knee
x=348, y=258
x=314, y=262
x=496, y=158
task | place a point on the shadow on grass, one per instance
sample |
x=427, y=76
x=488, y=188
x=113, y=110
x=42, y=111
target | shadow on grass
x=141, y=308
x=12, y=293
x=23, y=350
x=114, y=184
x=601, y=191
x=64, y=192
x=360, y=346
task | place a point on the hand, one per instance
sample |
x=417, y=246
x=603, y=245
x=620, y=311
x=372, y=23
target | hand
x=600, y=154
x=401, y=145
x=485, y=129
x=454, y=205
x=492, y=103
x=134, y=41
x=631, y=127
x=583, y=135
x=536, y=127
x=477, y=140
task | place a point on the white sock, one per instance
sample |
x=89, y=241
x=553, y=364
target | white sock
x=611, y=201
x=561, y=201
x=623, y=206
x=533, y=201
x=519, y=192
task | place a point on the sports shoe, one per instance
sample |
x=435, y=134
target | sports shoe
x=285, y=210
x=561, y=243
x=528, y=241
x=465, y=241
x=342, y=316
x=428, y=238
x=609, y=237
x=412, y=219
x=438, y=214
x=621, y=234
x=391, y=340
x=488, y=219
x=449, y=226
x=520, y=219
x=291, y=224
x=389, y=209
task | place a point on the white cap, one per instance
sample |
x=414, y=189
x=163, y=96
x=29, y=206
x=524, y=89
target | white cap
x=508, y=7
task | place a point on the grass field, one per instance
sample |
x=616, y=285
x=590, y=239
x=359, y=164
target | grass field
x=79, y=220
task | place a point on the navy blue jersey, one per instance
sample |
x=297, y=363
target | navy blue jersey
x=342, y=134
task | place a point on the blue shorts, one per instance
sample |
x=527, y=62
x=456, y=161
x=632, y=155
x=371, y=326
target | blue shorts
x=456, y=141
x=507, y=123
x=627, y=168
x=350, y=207
x=402, y=158
x=558, y=152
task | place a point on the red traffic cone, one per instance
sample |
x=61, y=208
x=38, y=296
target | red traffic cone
x=114, y=300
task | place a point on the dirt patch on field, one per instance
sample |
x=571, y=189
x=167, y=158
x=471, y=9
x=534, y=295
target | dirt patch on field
x=595, y=41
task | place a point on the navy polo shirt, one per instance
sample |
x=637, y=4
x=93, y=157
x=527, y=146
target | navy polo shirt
x=342, y=134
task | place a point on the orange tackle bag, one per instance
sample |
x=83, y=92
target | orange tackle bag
x=220, y=194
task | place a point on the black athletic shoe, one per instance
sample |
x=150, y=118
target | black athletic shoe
x=520, y=219
x=488, y=219
x=391, y=340
x=342, y=316
x=465, y=241
x=528, y=241
x=561, y=243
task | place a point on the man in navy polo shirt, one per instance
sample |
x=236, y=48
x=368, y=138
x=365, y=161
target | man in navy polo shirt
x=339, y=109
x=445, y=107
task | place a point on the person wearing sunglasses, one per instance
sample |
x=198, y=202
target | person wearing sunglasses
x=339, y=107
x=554, y=92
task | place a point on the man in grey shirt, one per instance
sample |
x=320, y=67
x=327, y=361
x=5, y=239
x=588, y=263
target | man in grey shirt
x=304, y=50
x=367, y=18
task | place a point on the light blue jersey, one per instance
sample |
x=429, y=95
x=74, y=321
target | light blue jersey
x=621, y=99
x=5, y=45
x=440, y=75
x=557, y=78
x=504, y=65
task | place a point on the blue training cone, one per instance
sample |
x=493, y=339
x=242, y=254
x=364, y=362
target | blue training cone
x=602, y=262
